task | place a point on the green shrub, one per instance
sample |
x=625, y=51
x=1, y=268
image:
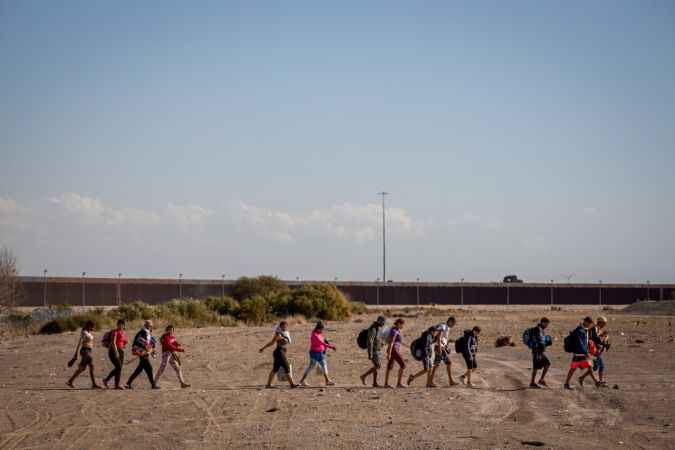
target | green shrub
x=358, y=308
x=133, y=311
x=255, y=310
x=264, y=286
x=323, y=300
x=223, y=305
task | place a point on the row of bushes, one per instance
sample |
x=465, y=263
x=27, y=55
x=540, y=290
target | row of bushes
x=256, y=300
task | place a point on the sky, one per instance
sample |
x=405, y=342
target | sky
x=244, y=138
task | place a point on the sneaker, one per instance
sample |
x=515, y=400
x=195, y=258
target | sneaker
x=128, y=386
x=184, y=385
x=534, y=386
x=543, y=383
x=303, y=383
x=156, y=387
x=568, y=387
x=330, y=383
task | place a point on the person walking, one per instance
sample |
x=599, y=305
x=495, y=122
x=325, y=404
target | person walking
x=394, y=353
x=318, y=345
x=468, y=347
x=374, y=344
x=143, y=347
x=281, y=338
x=600, y=339
x=170, y=350
x=118, y=340
x=442, y=352
x=85, y=347
x=426, y=345
x=538, y=343
x=580, y=348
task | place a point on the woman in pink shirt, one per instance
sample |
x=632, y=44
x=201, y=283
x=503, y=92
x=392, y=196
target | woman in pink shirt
x=317, y=354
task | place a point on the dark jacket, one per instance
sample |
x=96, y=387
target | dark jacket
x=373, y=340
x=470, y=343
x=581, y=340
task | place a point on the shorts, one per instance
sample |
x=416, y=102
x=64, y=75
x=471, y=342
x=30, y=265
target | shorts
x=318, y=358
x=580, y=362
x=395, y=358
x=470, y=361
x=442, y=356
x=428, y=359
x=375, y=359
x=85, y=357
x=539, y=360
x=280, y=360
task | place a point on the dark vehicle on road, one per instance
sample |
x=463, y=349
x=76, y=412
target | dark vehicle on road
x=512, y=279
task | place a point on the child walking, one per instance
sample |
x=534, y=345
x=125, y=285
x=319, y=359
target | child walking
x=394, y=353
x=469, y=348
x=318, y=346
x=170, y=350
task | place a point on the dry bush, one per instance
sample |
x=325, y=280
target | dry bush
x=10, y=284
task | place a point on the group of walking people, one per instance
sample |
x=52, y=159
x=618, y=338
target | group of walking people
x=587, y=343
x=143, y=347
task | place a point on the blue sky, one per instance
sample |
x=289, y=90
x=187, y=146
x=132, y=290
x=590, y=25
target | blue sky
x=531, y=137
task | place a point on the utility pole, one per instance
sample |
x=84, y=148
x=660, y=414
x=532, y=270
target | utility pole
x=84, y=274
x=384, y=238
x=180, y=286
x=119, y=289
x=44, y=292
x=223, y=286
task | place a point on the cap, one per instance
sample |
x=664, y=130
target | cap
x=381, y=320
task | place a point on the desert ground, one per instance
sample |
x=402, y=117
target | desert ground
x=227, y=407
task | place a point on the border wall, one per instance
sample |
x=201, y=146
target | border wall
x=38, y=291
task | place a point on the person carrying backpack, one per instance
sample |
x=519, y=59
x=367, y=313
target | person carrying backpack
x=468, y=347
x=116, y=342
x=426, y=345
x=143, y=347
x=577, y=344
x=318, y=346
x=442, y=352
x=373, y=345
x=599, y=337
x=170, y=348
x=537, y=342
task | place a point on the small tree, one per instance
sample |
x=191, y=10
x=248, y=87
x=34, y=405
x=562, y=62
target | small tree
x=9, y=278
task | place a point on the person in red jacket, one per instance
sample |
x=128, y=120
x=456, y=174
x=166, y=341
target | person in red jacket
x=170, y=350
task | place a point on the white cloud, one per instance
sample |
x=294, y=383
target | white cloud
x=91, y=211
x=345, y=221
x=188, y=215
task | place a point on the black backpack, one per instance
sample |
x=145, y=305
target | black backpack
x=460, y=344
x=362, y=339
x=416, y=349
x=570, y=342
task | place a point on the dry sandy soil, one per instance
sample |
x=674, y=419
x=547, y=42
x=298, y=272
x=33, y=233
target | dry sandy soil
x=227, y=407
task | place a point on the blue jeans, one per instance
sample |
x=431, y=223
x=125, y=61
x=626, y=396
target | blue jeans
x=314, y=359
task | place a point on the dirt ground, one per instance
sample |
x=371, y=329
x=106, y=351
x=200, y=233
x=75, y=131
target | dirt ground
x=227, y=406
